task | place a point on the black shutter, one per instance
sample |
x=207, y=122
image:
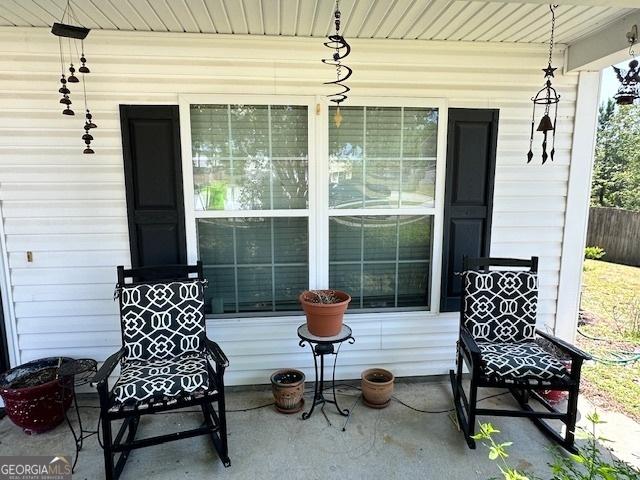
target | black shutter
x=471, y=163
x=153, y=180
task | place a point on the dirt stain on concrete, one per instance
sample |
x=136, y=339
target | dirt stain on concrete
x=409, y=448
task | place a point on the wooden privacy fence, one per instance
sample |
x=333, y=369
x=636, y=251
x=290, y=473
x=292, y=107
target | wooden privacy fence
x=618, y=232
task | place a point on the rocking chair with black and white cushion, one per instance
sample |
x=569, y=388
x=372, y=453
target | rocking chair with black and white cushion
x=166, y=362
x=502, y=348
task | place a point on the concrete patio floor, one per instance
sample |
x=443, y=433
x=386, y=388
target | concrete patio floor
x=395, y=442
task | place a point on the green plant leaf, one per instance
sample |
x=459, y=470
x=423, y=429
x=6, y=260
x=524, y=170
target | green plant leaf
x=493, y=453
x=577, y=458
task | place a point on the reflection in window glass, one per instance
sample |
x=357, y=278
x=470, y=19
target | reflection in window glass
x=383, y=157
x=381, y=261
x=249, y=157
x=253, y=264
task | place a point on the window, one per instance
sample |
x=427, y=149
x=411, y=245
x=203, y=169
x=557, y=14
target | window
x=382, y=159
x=280, y=202
x=250, y=200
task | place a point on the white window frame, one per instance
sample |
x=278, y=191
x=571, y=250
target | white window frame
x=318, y=211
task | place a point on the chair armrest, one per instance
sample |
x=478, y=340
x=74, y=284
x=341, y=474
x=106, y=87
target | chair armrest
x=107, y=367
x=469, y=343
x=216, y=352
x=574, y=352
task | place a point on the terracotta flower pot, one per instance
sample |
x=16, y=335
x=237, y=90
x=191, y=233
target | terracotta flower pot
x=324, y=319
x=288, y=388
x=377, y=387
x=556, y=396
x=35, y=398
x=553, y=396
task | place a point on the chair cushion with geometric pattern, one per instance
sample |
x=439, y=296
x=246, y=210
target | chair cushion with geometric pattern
x=519, y=361
x=500, y=306
x=161, y=378
x=162, y=320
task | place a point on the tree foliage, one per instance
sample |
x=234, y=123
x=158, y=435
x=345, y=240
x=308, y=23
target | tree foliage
x=616, y=176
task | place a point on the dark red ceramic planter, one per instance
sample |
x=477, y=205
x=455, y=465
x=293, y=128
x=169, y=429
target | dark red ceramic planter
x=34, y=398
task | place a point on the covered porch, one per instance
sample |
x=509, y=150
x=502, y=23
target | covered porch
x=227, y=98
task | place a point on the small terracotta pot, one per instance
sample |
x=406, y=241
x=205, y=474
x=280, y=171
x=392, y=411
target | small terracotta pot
x=324, y=319
x=287, y=385
x=377, y=387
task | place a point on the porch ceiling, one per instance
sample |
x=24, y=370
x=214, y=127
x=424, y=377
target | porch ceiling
x=522, y=21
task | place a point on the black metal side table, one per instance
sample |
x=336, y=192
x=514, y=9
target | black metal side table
x=82, y=370
x=321, y=346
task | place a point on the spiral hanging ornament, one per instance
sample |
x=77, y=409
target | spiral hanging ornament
x=341, y=49
x=547, y=98
x=73, y=33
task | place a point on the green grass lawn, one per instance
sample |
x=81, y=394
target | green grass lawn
x=611, y=293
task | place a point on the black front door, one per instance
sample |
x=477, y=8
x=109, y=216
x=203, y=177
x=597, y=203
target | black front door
x=153, y=180
x=471, y=162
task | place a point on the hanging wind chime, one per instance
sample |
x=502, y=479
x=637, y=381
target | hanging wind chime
x=630, y=79
x=73, y=33
x=548, y=98
x=341, y=49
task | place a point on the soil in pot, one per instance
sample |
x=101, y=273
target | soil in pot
x=288, y=390
x=377, y=387
x=324, y=310
x=35, y=398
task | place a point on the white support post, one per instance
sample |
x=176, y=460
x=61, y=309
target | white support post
x=577, y=209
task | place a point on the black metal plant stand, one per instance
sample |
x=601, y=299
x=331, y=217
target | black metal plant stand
x=321, y=346
x=82, y=371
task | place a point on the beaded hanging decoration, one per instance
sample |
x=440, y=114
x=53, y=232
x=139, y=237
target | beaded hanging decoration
x=341, y=49
x=547, y=97
x=73, y=33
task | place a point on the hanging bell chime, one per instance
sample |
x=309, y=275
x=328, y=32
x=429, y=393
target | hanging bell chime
x=548, y=98
x=66, y=30
x=629, y=82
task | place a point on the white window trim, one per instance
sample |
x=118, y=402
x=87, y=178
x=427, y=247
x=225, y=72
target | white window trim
x=318, y=212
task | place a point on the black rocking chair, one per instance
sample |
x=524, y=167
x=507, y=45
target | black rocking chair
x=166, y=362
x=502, y=348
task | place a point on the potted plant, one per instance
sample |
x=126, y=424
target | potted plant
x=324, y=310
x=34, y=395
x=287, y=385
x=377, y=387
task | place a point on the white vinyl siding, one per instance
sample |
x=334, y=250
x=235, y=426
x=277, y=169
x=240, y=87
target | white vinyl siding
x=69, y=208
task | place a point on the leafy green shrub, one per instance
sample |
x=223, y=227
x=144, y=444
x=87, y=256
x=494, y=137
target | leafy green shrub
x=588, y=464
x=594, y=253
